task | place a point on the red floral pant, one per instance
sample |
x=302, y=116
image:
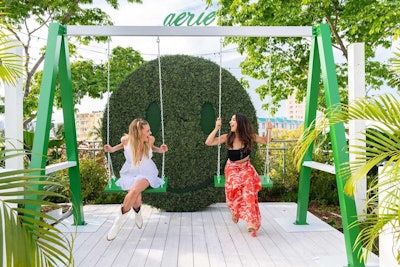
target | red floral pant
x=241, y=189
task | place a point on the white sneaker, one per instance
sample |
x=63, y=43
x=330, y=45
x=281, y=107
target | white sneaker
x=112, y=234
x=139, y=219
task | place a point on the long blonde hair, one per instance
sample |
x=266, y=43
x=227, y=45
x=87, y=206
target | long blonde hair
x=137, y=146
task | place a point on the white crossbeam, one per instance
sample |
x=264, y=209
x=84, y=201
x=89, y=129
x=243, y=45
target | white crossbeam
x=50, y=168
x=320, y=166
x=60, y=166
x=218, y=31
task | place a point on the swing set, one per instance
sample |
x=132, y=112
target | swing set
x=219, y=180
x=57, y=65
x=112, y=186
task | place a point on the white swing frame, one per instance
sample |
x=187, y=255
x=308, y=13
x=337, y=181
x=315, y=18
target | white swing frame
x=218, y=31
x=209, y=31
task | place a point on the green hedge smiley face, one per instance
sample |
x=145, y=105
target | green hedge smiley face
x=190, y=90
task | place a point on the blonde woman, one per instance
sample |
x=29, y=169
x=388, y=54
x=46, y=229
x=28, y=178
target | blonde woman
x=242, y=182
x=138, y=172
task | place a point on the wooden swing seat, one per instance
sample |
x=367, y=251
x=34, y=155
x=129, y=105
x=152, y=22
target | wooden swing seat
x=112, y=187
x=266, y=182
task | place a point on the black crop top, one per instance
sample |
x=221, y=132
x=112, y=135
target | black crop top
x=237, y=154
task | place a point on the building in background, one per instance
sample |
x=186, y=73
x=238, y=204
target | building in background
x=277, y=123
x=88, y=125
x=295, y=111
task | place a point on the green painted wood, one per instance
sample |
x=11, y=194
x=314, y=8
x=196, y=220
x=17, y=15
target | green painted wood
x=322, y=60
x=113, y=188
x=70, y=132
x=339, y=147
x=56, y=64
x=311, y=112
x=45, y=108
x=266, y=182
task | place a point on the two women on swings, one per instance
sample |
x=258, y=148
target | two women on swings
x=242, y=181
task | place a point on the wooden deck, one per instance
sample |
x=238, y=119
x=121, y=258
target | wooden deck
x=207, y=238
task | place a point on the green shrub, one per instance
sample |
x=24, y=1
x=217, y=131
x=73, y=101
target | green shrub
x=190, y=100
x=93, y=178
x=323, y=188
x=285, y=178
x=62, y=187
x=93, y=181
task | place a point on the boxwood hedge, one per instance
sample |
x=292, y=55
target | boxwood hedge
x=190, y=88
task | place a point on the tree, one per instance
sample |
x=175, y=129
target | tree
x=27, y=18
x=371, y=22
x=89, y=78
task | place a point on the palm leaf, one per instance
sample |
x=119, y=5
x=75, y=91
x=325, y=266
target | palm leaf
x=28, y=239
x=395, y=68
x=384, y=212
x=10, y=63
x=382, y=146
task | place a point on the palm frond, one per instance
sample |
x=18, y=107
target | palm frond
x=395, y=68
x=11, y=64
x=380, y=144
x=29, y=240
x=383, y=215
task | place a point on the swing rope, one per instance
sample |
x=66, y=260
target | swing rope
x=219, y=111
x=112, y=187
x=219, y=180
x=161, y=107
x=110, y=168
x=266, y=166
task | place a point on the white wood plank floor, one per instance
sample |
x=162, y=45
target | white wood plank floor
x=206, y=238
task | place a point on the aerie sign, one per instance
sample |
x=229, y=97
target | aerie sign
x=189, y=19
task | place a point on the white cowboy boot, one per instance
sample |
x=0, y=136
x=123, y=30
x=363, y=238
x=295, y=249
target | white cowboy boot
x=138, y=218
x=117, y=224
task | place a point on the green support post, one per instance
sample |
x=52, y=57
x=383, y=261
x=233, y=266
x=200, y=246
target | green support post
x=45, y=109
x=339, y=147
x=321, y=60
x=57, y=63
x=70, y=132
x=311, y=111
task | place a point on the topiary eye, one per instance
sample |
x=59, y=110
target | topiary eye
x=207, y=120
x=153, y=116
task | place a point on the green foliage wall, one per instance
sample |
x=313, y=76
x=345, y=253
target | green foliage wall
x=190, y=100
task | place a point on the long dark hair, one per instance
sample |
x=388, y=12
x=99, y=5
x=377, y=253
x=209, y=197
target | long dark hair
x=244, y=131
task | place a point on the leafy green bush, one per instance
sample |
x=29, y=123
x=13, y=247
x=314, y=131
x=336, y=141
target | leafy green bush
x=93, y=178
x=284, y=174
x=93, y=181
x=190, y=100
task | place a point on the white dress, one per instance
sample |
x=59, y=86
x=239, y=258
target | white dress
x=146, y=168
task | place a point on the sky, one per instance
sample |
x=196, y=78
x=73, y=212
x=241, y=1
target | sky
x=153, y=13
